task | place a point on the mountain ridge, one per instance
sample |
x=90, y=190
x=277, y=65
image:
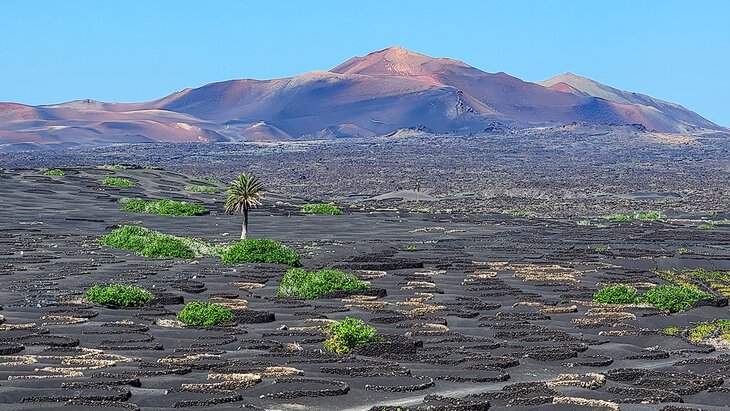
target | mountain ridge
x=369, y=95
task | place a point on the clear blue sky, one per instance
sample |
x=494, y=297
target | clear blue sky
x=55, y=51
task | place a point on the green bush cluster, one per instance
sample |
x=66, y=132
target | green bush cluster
x=617, y=294
x=702, y=331
x=164, y=207
x=672, y=330
x=707, y=226
x=321, y=208
x=201, y=189
x=672, y=298
x=55, y=172
x=117, y=182
x=260, y=250
x=650, y=216
x=205, y=314
x=154, y=244
x=312, y=284
x=349, y=333
x=119, y=294
x=147, y=242
x=410, y=247
x=642, y=216
x=521, y=214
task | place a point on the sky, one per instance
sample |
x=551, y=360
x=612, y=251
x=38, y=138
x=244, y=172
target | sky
x=55, y=51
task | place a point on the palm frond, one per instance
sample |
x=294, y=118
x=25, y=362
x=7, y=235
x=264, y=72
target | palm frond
x=245, y=192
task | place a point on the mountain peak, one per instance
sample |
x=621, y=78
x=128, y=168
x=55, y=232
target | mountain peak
x=395, y=61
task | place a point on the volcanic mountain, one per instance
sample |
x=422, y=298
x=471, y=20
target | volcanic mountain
x=365, y=96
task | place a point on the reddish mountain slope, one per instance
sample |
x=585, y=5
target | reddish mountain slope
x=376, y=94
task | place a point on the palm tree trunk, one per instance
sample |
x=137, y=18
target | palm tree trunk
x=244, y=226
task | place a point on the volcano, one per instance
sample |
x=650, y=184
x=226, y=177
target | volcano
x=376, y=94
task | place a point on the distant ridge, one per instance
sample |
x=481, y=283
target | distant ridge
x=376, y=94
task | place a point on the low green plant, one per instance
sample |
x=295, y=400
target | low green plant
x=164, y=207
x=147, y=242
x=312, y=284
x=321, y=208
x=205, y=314
x=201, y=189
x=716, y=280
x=117, y=182
x=617, y=294
x=673, y=298
x=349, y=333
x=707, y=226
x=411, y=247
x=584, y=223
x=650, y=216
x=260, y=250
x=702, y=331
x=600, y=248
x=684, y=250
x=672, y=330
x=119, y=295
x=55, y=172
x=521, y=214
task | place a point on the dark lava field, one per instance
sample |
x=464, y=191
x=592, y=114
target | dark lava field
x=478, y=310
x=568, y=171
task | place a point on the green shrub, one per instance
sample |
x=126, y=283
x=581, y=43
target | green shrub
x=684, y=250
x=411, y=247
x=147, y=242
x=600, y=248
x=312, y=284
x=650, y=216
x=617, y=294
x=205, y=314
x=117, y=182
x=201, y=189
x=619, y=217
x=584, y=223
x=54, y=172
x=348, y=334
x=673, y=298
x=164, y=207
x=118, y=294
x=521, y=214
x=321, y=209
x=707, y=226
x=672, y=330
x=260, y=250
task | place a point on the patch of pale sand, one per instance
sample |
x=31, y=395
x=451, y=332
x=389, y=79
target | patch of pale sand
x=246, y=285
x=719, y=343
x=560, y=310
x=586, y=402
x=405, y=195
x=671, y=138
x=169, y=323
x=589, y=380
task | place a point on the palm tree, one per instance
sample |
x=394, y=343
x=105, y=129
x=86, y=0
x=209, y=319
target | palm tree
x=245, y=192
